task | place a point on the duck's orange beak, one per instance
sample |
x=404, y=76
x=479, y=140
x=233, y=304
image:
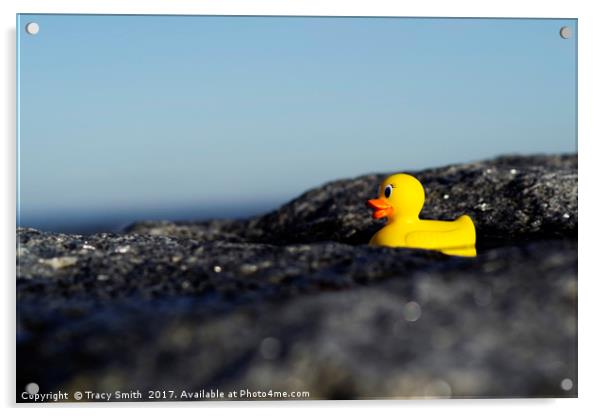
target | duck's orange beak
x=381, y=206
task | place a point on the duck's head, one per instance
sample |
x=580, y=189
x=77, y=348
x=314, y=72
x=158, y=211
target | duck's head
x=400, y=196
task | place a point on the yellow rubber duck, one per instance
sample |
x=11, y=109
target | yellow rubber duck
x=401, y=199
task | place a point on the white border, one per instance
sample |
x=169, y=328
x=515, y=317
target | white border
x=590, y=289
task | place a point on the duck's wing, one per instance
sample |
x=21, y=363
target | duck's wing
x=431, y=240
x=463, y=235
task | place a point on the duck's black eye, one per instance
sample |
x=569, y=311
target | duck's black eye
x=388, y=191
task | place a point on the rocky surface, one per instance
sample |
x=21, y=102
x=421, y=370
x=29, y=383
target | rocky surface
x=510, y=198
x=295, y=301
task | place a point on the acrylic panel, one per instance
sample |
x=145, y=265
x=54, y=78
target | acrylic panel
x=208, y=208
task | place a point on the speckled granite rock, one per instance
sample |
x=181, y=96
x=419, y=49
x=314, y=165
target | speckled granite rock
x=270, y=303
x=509, y=198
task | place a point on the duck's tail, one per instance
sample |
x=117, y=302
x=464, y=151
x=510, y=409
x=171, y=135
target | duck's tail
x=468, y=236
x=467, y=226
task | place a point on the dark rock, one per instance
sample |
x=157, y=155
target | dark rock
x=509, y=198
x=294, y=301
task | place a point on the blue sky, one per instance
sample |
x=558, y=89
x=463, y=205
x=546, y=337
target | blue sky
x=134, y=117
